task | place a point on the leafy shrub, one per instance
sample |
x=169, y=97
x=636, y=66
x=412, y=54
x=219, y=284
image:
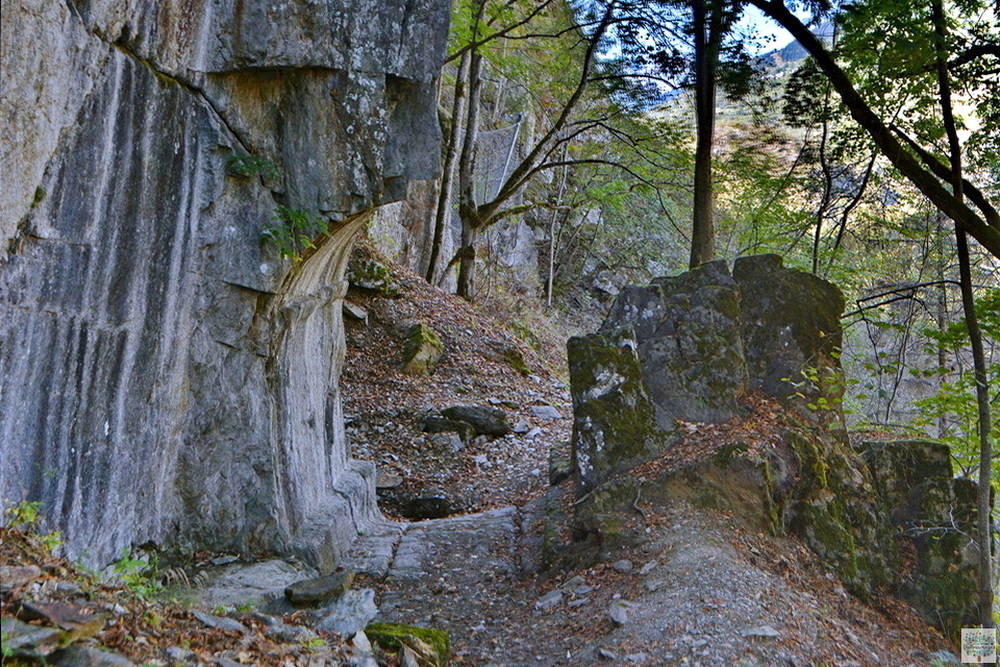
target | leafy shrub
x=294, y=231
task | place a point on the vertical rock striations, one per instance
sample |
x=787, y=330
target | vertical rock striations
x=162, y=375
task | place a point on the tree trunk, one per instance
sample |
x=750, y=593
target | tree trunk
x=985, y=534
x=706, y=53
x=442, y=213
x=467, y=263
x=468, y=210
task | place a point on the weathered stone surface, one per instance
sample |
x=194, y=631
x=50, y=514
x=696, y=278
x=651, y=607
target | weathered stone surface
x=545, y=412
x=791, y=324
x=687, y=330
x=235, y=584
x=613, y=423
x=422, y=351
x=351, y=612
x=219, y=622
x=319, y=590
x=197, y=399
x=929, y=509
x=486, y=421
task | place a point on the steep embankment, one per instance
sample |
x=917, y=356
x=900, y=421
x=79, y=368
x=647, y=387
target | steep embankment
x=162, y=376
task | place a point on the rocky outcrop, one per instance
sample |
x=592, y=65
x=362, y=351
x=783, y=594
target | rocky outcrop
x=677, y=354
x=695, y=352
x=932, y=518
x=613, y=418
x=165, y=377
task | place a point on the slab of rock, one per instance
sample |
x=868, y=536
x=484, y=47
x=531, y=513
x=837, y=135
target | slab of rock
x=450, y=441
x=485, y=420
x=31, y=641
x=618, y=611
x=692, y=361
x=791, y=321
x=761, y=631
x=314, y=592
x=219, y=622
x=545, y=412
x=278, y=630
x=422, y=351
x=550, y=600
x=80, y=655
x=614, y=427
x=623, y=566
x=350, y=613
x=362, y=653
x=438, y=424
x=239, y=584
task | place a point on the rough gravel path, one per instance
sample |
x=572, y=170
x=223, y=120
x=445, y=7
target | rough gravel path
x=698, y=591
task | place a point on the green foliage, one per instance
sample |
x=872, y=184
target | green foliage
x=244, y=166
x=313, y=644
x=138, y=573
x=955, y=399
x=25, y=514
x=294, y=231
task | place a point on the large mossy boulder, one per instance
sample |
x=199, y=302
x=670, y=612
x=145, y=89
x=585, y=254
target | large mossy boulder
x=614, y=428
x=422, y=351
x=688, y=332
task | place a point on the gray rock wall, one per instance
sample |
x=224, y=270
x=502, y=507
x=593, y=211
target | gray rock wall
x=163, y=376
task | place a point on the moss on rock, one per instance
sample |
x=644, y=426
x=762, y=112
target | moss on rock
x=614, y=427
x=422, y=351
x=392, y=636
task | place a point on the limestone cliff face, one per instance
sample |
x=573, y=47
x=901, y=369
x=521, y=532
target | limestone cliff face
x=163, y=376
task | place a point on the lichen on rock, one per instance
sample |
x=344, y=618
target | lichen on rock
x=614, y=427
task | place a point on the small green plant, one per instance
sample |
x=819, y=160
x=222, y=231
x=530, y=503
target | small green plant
x=244, y=166
x=244, y=608
x=51, y=540
x=25, y=514
x=138, y=574
x=294, y=231
x=313, y=645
